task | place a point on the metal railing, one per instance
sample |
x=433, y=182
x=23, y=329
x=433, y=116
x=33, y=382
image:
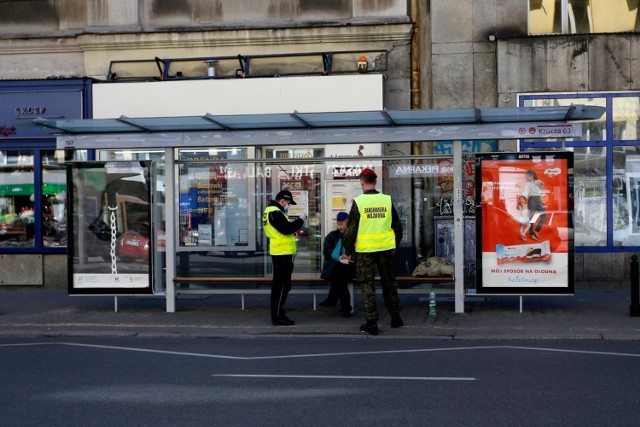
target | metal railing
x=351, y=61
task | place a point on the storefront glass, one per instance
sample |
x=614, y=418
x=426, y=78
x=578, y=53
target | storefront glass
x=626, y=114
x=53, y=199
x=593, y=130
x=16, y=198
x=607, y=168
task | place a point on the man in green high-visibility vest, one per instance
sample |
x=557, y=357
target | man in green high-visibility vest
x=282, y=247
x=373, y=232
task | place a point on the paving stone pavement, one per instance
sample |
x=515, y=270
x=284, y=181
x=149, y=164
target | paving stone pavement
x=589, y=314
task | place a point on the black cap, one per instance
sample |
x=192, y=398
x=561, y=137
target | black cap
x=286, y=195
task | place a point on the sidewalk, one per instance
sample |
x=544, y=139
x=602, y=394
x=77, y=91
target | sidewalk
x=589, y=314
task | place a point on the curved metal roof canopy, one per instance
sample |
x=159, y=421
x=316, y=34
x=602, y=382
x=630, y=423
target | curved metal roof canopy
x=296, y=120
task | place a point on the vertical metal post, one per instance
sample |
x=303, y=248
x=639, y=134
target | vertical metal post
x=634, y=308
x=458, y=226
x=418, y=215
x=171, y=207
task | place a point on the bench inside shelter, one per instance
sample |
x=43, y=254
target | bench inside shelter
x=311, y=285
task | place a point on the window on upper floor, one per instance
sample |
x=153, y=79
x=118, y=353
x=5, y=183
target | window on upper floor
x=582, y=16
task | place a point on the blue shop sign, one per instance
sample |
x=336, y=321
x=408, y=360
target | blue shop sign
x=19, y=108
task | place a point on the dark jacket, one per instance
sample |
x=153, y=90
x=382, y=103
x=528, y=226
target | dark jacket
x=351, y=233
x=280, y=222
x=331, y=266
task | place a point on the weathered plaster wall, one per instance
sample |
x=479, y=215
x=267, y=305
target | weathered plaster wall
x=568, y=63
x=462, y=57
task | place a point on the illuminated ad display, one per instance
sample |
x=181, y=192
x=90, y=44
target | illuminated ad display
x=112, y=240
x=524, y=225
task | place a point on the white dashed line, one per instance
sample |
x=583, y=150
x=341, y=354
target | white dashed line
x=347, y=377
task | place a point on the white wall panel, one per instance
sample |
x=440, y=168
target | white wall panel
x=238, y=96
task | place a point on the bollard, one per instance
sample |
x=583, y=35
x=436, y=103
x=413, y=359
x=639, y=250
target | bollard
x=634, y=308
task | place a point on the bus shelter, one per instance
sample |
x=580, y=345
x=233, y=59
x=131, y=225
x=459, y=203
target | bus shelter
x=216, y=172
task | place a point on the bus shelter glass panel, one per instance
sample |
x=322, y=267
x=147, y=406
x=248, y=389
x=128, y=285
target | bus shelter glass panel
x=214, y=211
x=129, y=154
x=16, y=198
x=423, y=194
x=304, y=180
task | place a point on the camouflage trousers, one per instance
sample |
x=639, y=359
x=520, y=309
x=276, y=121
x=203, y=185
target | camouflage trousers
x=366, y=264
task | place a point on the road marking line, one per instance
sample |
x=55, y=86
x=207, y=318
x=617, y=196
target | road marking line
x=561, y=350
x=347, y=377
x=339, y=354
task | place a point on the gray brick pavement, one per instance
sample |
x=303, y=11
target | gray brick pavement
x=590, y=314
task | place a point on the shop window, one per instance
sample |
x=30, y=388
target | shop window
x=606, y=169
x=594, y=130
x=627, y=194
x=53, y=199
x=16, y=199
x=590, y=196
x=626, y=114
x=582, y=16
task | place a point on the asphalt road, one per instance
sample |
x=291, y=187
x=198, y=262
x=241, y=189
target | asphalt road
x=318, y=381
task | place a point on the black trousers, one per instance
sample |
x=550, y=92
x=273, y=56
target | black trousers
x=339, y=287
x=281, y=284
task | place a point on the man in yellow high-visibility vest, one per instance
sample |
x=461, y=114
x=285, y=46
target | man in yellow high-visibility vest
x=282, y=247
x=373, y=232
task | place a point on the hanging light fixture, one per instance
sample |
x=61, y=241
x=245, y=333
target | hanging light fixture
x=363, y=65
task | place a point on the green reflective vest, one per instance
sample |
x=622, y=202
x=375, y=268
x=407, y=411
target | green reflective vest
x=279, y=244
x=374, y=230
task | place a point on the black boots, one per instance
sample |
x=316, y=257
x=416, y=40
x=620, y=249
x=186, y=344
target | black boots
x=283, y=321
x=371, y=327
x=396, y=321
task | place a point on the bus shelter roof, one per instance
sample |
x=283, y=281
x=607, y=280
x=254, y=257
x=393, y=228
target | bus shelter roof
x=325, y=127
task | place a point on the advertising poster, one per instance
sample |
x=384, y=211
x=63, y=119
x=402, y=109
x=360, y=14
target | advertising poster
x=112, y=241
x=524, y=226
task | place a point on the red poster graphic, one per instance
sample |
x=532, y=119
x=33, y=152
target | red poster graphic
x=525, y=224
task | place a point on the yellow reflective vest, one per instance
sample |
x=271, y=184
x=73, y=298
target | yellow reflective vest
x=374, y=229
x=279, y=244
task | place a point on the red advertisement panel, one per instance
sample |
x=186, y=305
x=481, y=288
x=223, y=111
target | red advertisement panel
x=524, y=226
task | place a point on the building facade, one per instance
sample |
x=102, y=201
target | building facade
x=432, y=54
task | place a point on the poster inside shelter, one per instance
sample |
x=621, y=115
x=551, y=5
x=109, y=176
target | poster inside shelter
x=525, y=238
x=112, y=240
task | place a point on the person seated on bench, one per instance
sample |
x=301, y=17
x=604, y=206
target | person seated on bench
x=338, y=268
x=282, y=247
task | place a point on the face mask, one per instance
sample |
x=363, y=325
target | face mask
x=286, y=208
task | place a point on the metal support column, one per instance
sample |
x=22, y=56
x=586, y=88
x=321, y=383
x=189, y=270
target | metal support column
x=171, y=206
x=458, y=226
